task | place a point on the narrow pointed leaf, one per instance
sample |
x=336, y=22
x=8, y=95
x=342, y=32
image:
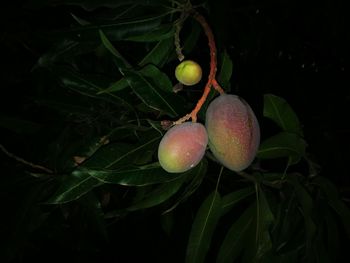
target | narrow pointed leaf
x=230, y=200
x=334, y=201
x=278, y=110
x=152, y=96
x=159, y=195
x=203, y=227
x=160, y=33
x=195, y=181
x=120, y=60
x=225, y=71
x=283, y=145
x=114, y=156
x=132, y=176
x=114, y=31
x=233, y=243
x=306, y=204
x=159, y=54
x=73, y=187
x=116, y=86
x=264, y=220
x=159, y=78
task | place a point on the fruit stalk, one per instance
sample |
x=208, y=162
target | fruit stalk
x=212, y=73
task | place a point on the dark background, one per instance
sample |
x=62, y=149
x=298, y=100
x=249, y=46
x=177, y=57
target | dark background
x=295, y=49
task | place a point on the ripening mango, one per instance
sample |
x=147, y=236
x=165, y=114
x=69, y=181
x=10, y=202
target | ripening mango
x=182, y=147
x=188, y=72
x=233, y=131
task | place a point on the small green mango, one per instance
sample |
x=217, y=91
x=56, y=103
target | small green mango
x=188, y=72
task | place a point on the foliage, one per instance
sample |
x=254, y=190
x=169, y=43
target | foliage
x=107, y=81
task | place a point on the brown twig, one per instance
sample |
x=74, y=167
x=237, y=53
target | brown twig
x=212, y=73
x=21, y=160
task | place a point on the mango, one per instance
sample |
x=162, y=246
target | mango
x=188, y=72
x=182, y=147
x=233, y=131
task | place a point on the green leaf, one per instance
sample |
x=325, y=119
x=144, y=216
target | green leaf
x=64, y=51
x=132, y=176
x=167, y=222
x=265, y=218
x=225, y=71
x=73, y=187
x=116, y=86
x=114, y=31
x=306, y=204
x=203, y=227
x=157, y=34
x=152, y=96
x=334, y=201
x=94, y=4
x=159, y=195
x=278, y=110
x=159, y=79
x=191, y=40
x=159, y=54
x=120, y=60
x=233, y=243
x=231, y=199
x=89, y=86
x=94, y=214
x=283, y=145
x=115, y=156
x=195, y=181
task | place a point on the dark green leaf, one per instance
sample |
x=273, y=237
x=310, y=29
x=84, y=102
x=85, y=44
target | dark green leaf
x=334, y=201
x=115, y=156
x=167, y=222
x=230, y=200
x=159, y=79
x=264, y=220
x=283, y=145
x=225, y=71
x=80, y=21
x=116, y=86
x=152, y=96
x=159, y=54
x=161, y=193
x=278, y=110
x=120, y=60
x=195, y=182
x=94, y=4
x=93, y=213
x=89, y=86
x=64, y=51
x=233, y=243
x=114, y=31
x=306, y=204
x=157, y=34
x=203, y=227
x=73, y=187
x=132, y=176
x=191, y=40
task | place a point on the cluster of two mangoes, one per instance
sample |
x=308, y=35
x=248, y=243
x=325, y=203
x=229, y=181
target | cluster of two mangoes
x=231, y=130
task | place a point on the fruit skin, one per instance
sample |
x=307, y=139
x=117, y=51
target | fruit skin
x=182, y=147
x=233, y=131
x=188, y=72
